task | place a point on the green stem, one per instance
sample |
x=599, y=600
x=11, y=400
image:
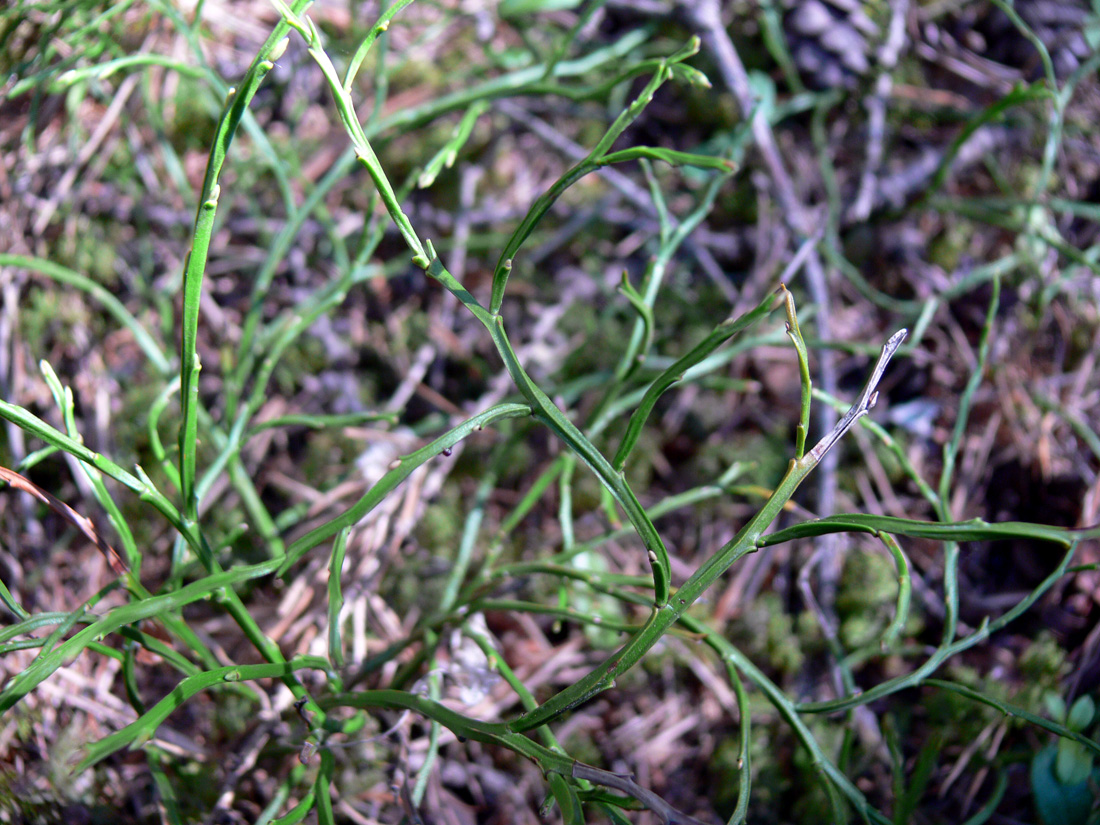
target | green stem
x=236, y=106
x=603, y=677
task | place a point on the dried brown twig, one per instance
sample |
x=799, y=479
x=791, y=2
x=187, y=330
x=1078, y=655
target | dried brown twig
x=625, y=782
x=81, y=523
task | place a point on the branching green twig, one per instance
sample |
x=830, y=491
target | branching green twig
x=599, y=418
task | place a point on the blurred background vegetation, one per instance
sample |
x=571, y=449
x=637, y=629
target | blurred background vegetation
x=941, y=156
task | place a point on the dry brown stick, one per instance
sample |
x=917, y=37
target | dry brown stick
x=81, y=523
x=625, y=782
x=875, y=104
x=242, y=761
x=87, y=152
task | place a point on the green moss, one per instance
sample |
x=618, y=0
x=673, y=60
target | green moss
x=194, y=123
x=951, y=244
x=441, y=525
x=1044, y=660
x=1043, y=666
x=768, y=630
x=866, y=597
x=234, y=714
x=53, y=317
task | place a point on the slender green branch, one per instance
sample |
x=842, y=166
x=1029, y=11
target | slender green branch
x=1009, y=709
x=795, y=334
x=402, y=468
x=236, y=105
x=944, y=651
x=722, y=333
x=596, y=158
x=747, y=540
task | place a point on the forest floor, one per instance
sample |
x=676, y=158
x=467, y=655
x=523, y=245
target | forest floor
x=912, y=165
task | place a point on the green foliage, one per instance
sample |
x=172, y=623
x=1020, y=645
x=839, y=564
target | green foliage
x=1058, y=801
x=1063, y=774
x=553, y=519
x=768, y=631
x=868, y=591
